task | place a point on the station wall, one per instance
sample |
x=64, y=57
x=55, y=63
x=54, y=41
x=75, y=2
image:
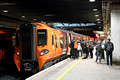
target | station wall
x=115, y=33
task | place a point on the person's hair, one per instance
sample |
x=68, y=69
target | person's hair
x=108, y=39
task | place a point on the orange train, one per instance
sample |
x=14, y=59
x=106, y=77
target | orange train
x=38, y=44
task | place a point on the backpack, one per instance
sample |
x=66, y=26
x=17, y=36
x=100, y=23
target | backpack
x=79, y=47
x=99, y=47
x=109, y=47
x=75, y=45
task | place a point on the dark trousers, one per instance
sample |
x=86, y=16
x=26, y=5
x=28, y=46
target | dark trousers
x=99, y=54
x=103, y=57
x=109, y=54
x=76, y=53
x=91, y=53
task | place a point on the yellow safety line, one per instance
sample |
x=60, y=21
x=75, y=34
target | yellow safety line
x=68, y=70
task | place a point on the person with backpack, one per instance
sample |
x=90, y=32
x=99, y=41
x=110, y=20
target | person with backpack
x=99, y=51
x=109, y=47
x=91, y=46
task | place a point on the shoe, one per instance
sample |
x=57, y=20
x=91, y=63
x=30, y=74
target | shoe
x=84, y=58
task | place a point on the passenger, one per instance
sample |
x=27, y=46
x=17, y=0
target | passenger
x=76, y=52
x=87, y=50
x=91, y=47
x=84, y=48
x=102, y=43
x=109, y=47
x=81, y=48
x=99, y=51
x=72, y=48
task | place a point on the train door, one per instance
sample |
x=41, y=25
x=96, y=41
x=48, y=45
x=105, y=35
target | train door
x=69, y=38
x=68, y=42
x=63, y=42
x=54, y=43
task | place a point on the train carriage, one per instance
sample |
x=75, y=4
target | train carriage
x=38, y=44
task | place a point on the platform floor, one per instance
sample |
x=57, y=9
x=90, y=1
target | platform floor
x=84, y=69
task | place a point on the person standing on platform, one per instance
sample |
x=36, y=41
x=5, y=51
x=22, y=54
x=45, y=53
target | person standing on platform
x=81, y=48
x=76, y=52
x=109, y=47
x=99, y=51
x=71, y=45
x=91, y=46
x=87, y=50
x=102, y=43
x=84, y=48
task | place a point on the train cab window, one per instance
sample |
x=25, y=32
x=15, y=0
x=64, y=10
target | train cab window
x=56, y=40
x=42, y=37
x=52, y=39
x=18, y=38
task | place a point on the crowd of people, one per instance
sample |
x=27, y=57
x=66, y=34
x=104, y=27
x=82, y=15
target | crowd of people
x=85, y=49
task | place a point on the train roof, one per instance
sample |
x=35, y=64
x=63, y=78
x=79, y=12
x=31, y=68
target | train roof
x=67, y=31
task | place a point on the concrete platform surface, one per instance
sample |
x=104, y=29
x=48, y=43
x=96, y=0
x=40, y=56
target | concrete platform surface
x=85, y=69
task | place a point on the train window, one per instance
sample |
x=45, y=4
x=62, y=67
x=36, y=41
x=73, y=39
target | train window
x=63, y=40
x=56, y=40
x=42, y=38
x=52, y=39
x=18, y=38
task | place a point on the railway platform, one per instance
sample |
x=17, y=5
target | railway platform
x=79, y=69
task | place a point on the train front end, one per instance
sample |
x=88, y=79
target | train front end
x=25, y=57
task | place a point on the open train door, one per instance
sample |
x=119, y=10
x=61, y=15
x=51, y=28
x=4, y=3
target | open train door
x=69, y=41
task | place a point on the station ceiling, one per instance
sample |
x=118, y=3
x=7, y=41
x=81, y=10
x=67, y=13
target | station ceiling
x=69, y=11
x=13, y=12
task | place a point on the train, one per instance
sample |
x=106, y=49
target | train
x=38, y=45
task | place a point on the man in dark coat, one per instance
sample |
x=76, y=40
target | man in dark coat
x=72, y=49
x=109, y=47
x=91, y=46
x=99, y=51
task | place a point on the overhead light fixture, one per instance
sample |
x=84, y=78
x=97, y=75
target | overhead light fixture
x=5, y=11
x=96, y=15
x=34, y=19
x=98, y=19
x=94, y=9
x=99, y=22
x=49, y=15
x=6, y=4
x=99, y=27
x=23, y=16
x=92, y=0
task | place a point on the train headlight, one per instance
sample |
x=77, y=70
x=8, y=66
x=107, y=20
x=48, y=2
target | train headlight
x=17, y=53
x=45, y=51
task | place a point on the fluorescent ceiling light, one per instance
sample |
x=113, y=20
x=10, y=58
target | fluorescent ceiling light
x=94, y=9
x=34, y=19
x=99, y=27
x=99, y=22
x=98, y=19
x=49, y=15
x=92, y=0
x=6, y=4
x=23, y=16
x=5, y=11
x=96, y=15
